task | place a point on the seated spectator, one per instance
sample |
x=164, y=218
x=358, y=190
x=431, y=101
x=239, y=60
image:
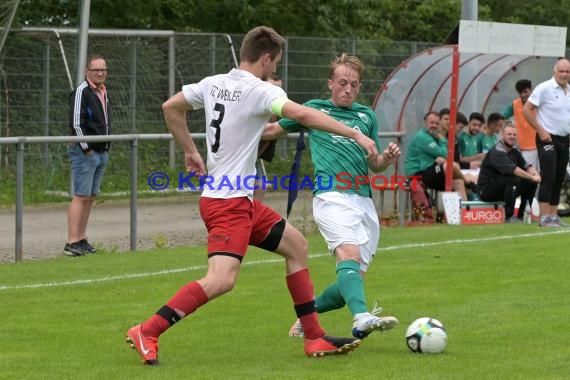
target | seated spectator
x=491, y=131
x=444, y=129
x=505, y=175
x=470, y=142
x=443, y=124
x=460, y=122
x=426, y=157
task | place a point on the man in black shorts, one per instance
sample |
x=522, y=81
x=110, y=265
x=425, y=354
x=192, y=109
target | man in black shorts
x=547, y=110
x=426, y=157
x=505, y=175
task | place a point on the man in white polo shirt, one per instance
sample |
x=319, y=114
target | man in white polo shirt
x=548, y=111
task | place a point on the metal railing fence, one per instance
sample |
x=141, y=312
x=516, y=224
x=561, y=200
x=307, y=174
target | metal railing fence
x=146, y=67
x=22, y=141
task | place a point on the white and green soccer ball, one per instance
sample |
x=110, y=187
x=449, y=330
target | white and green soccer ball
x=426, y=335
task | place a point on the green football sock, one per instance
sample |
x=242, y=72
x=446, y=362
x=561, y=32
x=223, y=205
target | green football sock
x=330, y=299
x=351, y=286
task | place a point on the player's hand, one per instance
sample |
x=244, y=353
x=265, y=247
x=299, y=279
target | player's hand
x=194, y=163
x=391, y=153
x=536, y=178
x=368, y=144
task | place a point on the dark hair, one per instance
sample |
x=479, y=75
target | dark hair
x=477, y=116
x=259, y=41
x=461, y=119
x=443, y=111
x=430, y=113
x=522, y=85
x=495, y=117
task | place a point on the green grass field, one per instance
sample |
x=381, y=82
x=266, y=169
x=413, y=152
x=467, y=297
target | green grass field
x=501, y=292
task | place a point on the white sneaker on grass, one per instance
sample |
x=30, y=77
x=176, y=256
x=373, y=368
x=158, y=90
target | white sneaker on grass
x=365, y=323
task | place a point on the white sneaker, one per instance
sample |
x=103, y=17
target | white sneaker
x=362, y=325
x=365, y=323
x=296, y=330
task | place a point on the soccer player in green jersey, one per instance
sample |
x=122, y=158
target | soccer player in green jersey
x=342, y=205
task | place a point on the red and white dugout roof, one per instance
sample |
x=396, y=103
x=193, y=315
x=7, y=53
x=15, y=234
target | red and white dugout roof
x=422, y=83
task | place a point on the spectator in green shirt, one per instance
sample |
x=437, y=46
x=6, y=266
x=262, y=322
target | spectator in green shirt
x=495, y=123
x=427, y=157
x=470, y=142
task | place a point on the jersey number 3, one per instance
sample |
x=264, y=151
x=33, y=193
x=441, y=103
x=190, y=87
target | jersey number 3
x=216, y=124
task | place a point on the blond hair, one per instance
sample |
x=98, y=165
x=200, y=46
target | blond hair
x=348, y=60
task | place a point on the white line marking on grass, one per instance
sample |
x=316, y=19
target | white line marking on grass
x=129, y=276
x=260, y=262
x=102, y=279
x=463, y=241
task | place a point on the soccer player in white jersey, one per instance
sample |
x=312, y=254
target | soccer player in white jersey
x=238, y=105
x=342, y=206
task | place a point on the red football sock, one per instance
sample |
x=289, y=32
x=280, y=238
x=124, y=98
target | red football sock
x=189, y=298
x=302, y=292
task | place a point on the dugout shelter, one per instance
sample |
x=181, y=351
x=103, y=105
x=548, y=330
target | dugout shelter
x=422, y=83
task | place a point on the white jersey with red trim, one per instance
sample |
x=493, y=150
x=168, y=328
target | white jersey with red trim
x=237, y=106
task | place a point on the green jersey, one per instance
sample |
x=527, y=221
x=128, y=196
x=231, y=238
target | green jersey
x=337, y=159
x=508, y=112
x=422, y=151
x=487, y=142
x=469, y=144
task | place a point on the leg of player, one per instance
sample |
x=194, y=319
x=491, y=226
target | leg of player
x=350, y=282
x=349, y=290
x=293, y=246
x=360, y=227
x=330, y=299
x=221, y=277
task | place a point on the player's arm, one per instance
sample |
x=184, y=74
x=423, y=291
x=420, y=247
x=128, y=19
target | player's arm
x=273, y=131
x=388, y=157
x=174, y=111
x=315, y=119
x=434, y=148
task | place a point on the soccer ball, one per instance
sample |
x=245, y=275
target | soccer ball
x=426, y=335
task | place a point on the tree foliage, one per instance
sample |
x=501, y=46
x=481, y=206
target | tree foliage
x=417, y=20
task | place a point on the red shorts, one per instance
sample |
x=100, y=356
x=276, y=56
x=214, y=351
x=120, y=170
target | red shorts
x=235, y=223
